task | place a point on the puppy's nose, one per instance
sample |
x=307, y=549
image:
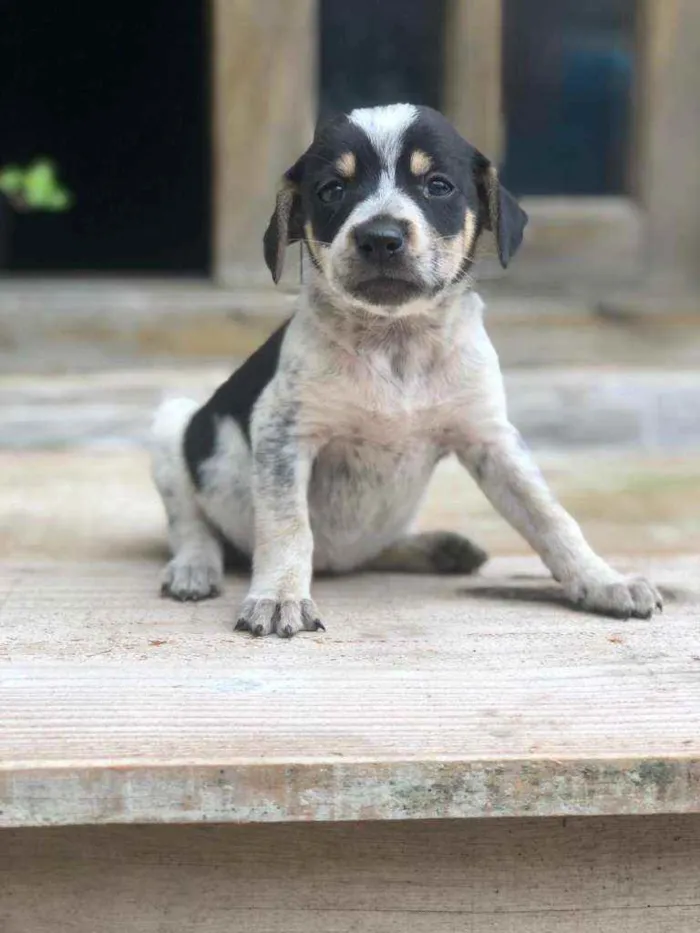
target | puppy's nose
x=379, y=238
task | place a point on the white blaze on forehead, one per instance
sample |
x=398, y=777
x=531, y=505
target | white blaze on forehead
x=385, y=128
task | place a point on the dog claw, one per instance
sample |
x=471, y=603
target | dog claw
x=618, y=597
x=190, y=583
x=284, y=617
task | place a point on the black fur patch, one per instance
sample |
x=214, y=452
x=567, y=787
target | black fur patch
x=235, y=399
x=318, y=167
x=450, y=156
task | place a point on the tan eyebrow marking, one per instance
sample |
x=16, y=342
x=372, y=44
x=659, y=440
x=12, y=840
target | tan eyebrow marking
x=346, y=164
x=421, y=163
x=469, y=233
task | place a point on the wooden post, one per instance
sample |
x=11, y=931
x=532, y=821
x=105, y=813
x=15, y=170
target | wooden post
x=472, y=90
x=264, y=83
x=670, y=175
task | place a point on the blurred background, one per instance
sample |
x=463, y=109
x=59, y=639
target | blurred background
x=168, y=126
x=154, y=113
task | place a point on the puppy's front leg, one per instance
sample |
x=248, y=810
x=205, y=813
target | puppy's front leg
x=279, y=599
x=503, y=468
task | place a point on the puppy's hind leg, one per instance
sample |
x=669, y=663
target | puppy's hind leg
x=196, y=569
x=436, y=552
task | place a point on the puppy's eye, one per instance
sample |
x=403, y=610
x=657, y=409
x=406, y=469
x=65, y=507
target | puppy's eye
x=331, y=192
x=438, y=187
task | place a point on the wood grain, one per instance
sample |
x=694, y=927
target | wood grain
x=263, y=117
x=638, y=875
x=426, y=698
x=473, y=83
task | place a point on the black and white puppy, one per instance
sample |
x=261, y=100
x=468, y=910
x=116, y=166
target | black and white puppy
x=316, y=453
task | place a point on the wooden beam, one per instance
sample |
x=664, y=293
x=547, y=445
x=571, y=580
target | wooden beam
x=630, y=875
x=264, y=99
x=473, y=82
x=670, y=139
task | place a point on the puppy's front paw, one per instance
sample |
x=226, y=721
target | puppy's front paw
x=617, y=596
x=191, y=580
x=284, y=617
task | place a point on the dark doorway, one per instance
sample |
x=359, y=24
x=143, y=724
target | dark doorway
x=568, y=80
x=117, y=94
x=381, y=52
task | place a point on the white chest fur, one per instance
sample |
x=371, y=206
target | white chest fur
x=406, y=388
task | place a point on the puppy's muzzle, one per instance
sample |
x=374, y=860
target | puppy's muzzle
x=380, y=240
x=383, y=270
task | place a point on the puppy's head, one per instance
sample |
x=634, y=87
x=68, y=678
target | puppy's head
x=390, y=202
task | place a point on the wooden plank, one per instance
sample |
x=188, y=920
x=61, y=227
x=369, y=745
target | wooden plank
x=639, y=875
x=425, y=698
x=473, y=82
x=635, y=505
x=669, y=72
x=264, y=76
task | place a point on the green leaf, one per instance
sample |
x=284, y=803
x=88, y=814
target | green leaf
x=11, y=179
x=37, y=186
x=59, y=201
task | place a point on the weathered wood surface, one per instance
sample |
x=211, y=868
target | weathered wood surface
x=638, y=875
x=425, y=698
x=264, y=103
x=637, y=505
x=472, y=90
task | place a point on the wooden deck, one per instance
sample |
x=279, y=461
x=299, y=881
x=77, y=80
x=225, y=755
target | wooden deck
x=425, y=699
x=347, y=781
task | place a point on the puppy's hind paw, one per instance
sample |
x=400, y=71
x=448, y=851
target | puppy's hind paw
x=451, y=553
x=432, y=552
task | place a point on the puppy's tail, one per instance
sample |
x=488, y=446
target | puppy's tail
x=166, y=441
x=170, y=420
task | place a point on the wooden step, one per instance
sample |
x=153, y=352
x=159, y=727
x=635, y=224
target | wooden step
x=653, y=409
x=426, y=698
x=79, y=325
x=345, y=781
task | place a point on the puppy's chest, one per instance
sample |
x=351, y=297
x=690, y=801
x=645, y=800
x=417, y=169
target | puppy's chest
x=384, y=401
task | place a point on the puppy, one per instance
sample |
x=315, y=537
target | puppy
x=316, y=453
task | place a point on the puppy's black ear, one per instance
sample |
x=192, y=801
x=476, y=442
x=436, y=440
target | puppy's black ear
x=287, y=222
x=501, y=213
